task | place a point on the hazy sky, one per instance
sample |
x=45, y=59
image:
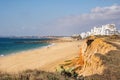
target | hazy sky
x=55, y=17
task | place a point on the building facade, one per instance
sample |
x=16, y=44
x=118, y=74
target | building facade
x=108, y=29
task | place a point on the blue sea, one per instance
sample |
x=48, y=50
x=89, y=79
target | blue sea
x=13, y=45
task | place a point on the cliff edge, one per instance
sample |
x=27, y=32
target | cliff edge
x=99, y=59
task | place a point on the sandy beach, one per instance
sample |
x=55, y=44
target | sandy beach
x=46, y=58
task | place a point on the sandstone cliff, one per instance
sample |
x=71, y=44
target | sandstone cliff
x=99, y=59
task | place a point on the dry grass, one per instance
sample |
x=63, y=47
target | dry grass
x=33, y=75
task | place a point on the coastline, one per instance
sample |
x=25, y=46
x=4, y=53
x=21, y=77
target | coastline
x=20, y=51
x=45, y=58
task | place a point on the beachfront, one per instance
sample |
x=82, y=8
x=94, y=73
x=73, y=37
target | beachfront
x=47, y=58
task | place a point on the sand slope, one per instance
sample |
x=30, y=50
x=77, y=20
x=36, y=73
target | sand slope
x=44, y=59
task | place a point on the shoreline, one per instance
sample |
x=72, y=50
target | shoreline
x=49, y=42
x=45, y=58
x=20, y=51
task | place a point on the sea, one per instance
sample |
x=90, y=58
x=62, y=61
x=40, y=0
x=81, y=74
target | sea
x=13, y=45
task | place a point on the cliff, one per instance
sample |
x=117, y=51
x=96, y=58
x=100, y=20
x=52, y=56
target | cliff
x=99, y=59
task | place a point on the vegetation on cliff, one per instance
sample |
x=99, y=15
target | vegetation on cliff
x=33, y=75
x=99, y=59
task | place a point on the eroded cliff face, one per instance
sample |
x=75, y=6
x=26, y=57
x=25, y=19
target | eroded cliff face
x=93, y=55
x=98, y=60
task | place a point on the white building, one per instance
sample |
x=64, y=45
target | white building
x=109, y=29
x=83, y=35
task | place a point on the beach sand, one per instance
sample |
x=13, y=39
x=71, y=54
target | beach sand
x=46, y=59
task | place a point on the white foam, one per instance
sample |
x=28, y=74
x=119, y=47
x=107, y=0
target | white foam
x=1, y=55
x=49, y=45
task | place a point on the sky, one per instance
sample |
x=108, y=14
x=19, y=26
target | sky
x=56, y=17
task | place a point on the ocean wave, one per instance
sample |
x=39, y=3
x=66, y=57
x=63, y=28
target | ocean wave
x=2, y=55
x=49, y=45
